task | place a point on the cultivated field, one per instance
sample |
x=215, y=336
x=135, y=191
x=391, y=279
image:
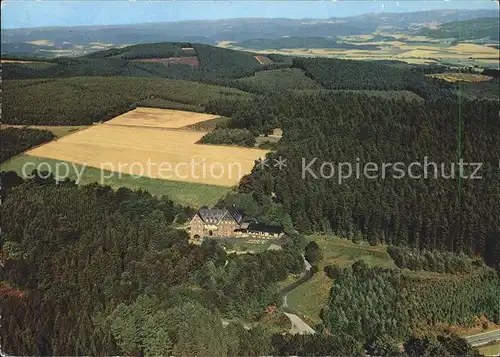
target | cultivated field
x=42, y=43
x=185, y=193
x=310, y=297
x=160, y=118
x=464, y=77
x=138, y=148
x=402, y=47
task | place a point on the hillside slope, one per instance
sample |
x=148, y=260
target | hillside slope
x=93, y=38
x=204, y=63
x=467, y=30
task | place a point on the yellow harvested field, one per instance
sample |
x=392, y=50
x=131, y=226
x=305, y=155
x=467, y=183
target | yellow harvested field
x=464, y=77
x=409, y=47
x=418, y=53
x=224, y=43
x=474, y=49
x=15, y=61
x=151, y=152
x=160, y=118
x=42, y=43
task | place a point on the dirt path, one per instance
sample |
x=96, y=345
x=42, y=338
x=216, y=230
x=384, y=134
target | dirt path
x=298, y=325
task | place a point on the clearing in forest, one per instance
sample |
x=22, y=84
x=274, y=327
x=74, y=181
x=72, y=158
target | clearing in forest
x=185, y=193
x=164, y=151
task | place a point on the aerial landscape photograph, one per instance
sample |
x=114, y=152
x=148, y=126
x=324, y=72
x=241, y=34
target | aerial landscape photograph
x=250, y=178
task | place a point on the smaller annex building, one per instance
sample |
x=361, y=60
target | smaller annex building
x=228, y=223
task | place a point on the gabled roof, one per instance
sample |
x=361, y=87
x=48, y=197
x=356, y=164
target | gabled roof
x=215, y=215
x=209, y=215
x=237, y=215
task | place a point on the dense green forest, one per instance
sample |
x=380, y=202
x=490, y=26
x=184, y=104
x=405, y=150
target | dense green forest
x=217, y=65
x=113, y=261
x=350, y=74
x=238, y=137
x=442, y=211
x=92, y=271
x=486, y=89
x=143, y=51
x=277, y=80
x=368, y=303
x=90, y=99
x=432, y=260
x=14, y=141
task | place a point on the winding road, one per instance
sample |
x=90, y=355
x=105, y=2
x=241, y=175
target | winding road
x=298, y=325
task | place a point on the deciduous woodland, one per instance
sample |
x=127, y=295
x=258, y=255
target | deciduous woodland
x=87, y=270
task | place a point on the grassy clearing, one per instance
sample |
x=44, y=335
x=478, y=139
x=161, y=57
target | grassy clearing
x=490, y=350
x=186, y=193
x=169, y=154
x=247, y=247
x=160, y=118
x=403, y=47
x=279, y=79
x=310, y=297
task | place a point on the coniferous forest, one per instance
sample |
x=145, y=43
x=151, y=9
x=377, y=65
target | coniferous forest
x=17, y=140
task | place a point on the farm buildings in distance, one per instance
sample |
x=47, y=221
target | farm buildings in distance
x=228, y=223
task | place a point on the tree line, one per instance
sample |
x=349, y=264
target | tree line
x=238, y=137
x=432, y=260
x=85, y=100
x=17, y=140
x=443, y=211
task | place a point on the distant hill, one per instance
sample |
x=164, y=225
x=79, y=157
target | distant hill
x=209, y=32
x=300, y=42
x=145, y=51
x=466, y=30
x=211, y=64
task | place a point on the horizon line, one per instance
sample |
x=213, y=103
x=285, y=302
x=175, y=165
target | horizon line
x=240, y=18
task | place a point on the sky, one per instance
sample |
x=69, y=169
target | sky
x=40, y=13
